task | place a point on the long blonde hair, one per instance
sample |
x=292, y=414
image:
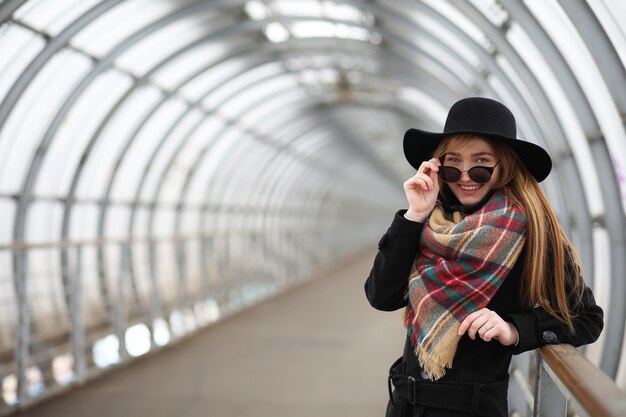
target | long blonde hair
x=547, y=248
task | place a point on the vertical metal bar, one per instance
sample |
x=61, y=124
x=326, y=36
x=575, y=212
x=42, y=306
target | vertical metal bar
x=155, y=300
x=549, y=400
x=77, y=319
x=183, y=281
x=23, y=324
x=120, y=308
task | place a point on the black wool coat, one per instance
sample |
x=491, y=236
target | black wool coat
x=386, y=288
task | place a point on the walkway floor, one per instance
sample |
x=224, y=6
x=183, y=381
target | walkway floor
x=318, y=350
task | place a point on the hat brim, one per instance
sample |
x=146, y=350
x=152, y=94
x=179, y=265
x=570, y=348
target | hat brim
x=419, y=146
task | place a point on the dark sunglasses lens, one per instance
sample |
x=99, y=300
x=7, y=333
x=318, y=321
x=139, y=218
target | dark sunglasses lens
x=479, y=175
x=449, y=174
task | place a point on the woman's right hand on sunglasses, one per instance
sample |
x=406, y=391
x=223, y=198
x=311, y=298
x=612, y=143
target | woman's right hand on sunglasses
x=421, y=190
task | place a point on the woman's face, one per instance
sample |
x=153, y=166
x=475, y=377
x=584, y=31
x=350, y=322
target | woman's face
x=464, y=155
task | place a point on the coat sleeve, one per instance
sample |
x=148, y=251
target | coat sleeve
x=537, y=328
x=386, y=285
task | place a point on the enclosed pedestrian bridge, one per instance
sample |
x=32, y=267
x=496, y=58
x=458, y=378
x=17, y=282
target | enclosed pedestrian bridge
x=191, y=192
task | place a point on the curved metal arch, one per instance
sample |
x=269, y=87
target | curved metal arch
x=8, y=7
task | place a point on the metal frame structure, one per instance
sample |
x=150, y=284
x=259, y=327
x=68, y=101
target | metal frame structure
x=197, y=190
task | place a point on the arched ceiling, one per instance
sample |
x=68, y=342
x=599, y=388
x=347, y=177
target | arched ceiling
x=144, y=118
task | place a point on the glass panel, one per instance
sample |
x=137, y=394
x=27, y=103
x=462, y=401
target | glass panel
x=141, y=271
x=127, y=17
x=288, y=101
x=209, y=79
x=188, y=63
x=66, y=149
x=90, y=286
x=460, y=21
x=43, y=222
x=222, y=151
x=7, y=208
x=114, y=137
x=136, y=157
x=143, y=55
x=27, y=123
x=167, y=275
x=19, y=46
x=116, y=227
x=235, y=106
x=163, y=159
x=52, y=17
x=242, y=82
x=450, y=39
x=45, y=291
x=206, y=136
x=84, y=222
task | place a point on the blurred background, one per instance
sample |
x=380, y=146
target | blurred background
x=165, y=164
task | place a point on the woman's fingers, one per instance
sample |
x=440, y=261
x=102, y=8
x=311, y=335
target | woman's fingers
x=482, y=319
x=488, y=325
x=430, y=167
x=420, y=181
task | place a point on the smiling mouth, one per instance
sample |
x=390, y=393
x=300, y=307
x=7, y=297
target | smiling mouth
x=469, y=187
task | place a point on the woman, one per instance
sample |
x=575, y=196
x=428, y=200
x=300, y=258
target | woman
x=480, y=264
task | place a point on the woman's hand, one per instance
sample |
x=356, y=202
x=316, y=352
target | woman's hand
x=422, y=190
x=489, y=325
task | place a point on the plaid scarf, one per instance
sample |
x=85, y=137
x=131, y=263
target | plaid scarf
x=461, y=264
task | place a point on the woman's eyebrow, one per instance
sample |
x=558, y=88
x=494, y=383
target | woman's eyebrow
x=474, y=154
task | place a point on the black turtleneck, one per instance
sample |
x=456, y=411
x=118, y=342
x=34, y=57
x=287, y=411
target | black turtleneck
x=452, y=204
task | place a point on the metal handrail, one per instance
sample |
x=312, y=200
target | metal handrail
x=564, y=368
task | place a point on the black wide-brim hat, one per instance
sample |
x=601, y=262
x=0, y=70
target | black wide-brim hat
x=481, y=117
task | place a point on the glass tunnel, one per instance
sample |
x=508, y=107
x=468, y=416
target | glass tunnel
x=166, y=163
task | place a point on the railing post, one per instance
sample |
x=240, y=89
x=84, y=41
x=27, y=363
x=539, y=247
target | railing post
x=121, y=311
x=76, y=317
x=22, y=349
x=549, y=400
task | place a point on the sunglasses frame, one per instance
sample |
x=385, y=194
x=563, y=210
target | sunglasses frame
x=488, y=169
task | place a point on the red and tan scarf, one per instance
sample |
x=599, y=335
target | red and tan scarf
x=461, y=264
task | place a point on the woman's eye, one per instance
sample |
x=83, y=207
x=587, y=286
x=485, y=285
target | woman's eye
x=482, y=160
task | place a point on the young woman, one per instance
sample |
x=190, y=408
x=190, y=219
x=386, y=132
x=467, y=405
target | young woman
x=480, y=264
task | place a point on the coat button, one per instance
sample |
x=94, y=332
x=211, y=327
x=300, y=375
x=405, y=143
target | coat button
x=550, y=337
x=383, y=241
x=423, y=374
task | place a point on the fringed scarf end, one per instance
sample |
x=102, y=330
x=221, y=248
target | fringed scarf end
x=436, y=363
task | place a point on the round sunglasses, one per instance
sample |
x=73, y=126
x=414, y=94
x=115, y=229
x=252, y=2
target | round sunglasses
x=478, y=174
